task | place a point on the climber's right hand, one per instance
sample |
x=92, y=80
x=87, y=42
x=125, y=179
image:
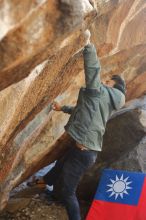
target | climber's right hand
x=87, y=35
x=56, y=106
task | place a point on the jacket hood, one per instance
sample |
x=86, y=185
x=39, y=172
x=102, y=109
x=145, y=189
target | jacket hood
x=117, y=97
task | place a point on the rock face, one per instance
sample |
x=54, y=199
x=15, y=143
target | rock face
x=41, y=60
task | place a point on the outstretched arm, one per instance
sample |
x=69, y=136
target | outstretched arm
x=91, y=67
x=66, y=109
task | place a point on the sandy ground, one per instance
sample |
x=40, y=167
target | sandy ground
x=32, y=204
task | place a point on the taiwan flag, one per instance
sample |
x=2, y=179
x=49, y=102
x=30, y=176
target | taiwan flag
x=121, y=195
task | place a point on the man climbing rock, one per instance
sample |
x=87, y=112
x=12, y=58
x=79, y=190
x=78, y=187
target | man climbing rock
x=86, y=125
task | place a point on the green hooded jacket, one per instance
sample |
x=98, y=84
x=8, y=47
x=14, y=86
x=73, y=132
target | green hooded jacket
x=95, y=104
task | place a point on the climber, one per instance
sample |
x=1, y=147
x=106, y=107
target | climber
x=86, y=126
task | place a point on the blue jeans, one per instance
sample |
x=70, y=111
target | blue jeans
x=68, y=171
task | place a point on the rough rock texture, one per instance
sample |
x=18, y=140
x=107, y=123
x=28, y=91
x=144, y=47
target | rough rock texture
x=40, y=34
x=40, y=45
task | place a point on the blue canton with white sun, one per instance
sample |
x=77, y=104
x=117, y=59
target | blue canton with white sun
x=119, y=186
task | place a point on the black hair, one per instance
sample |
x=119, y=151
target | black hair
x=119, y=83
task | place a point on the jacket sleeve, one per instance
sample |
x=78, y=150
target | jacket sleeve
x=91, y=67
x=67, y=109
